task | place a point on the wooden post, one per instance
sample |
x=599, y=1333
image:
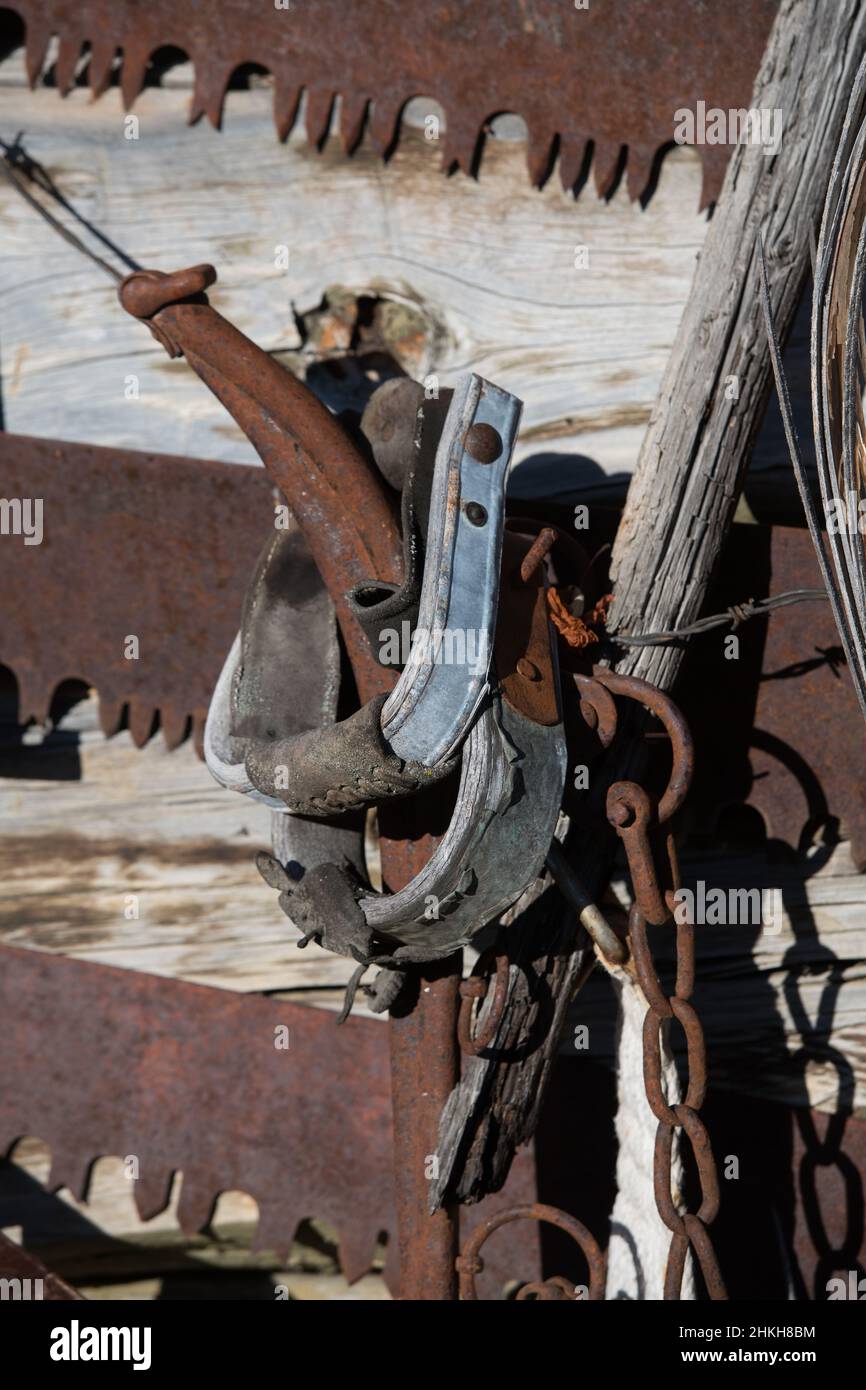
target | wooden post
x=717, y=382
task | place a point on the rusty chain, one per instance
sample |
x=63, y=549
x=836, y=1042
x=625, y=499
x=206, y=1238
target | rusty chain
x=639, y=821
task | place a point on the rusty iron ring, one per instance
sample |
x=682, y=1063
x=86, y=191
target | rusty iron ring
x=544, y=1290
x=469, y=1263
x=682, y=745
x=474, y=990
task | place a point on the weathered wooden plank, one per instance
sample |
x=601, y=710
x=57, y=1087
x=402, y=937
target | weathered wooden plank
x=152, y=824
x=484, y=270
x=95, y=829
x=488, y=264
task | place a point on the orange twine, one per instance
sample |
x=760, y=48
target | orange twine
x=578, y=632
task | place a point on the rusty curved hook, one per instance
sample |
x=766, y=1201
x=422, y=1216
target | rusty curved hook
x=474, y=990
x=630, y=809
x=339, y=503
x=682, y=745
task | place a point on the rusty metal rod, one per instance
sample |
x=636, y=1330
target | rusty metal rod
x=591, y=917
x=424, y=1070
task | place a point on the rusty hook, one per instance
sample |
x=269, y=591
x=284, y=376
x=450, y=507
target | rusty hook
x=473, y=990
x=597, y=708
x=682, y=746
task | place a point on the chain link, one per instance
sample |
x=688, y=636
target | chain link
x=639, y=824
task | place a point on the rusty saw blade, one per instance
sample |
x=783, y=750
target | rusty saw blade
x=133, y=545
x=236, y=1091
x=614, y=75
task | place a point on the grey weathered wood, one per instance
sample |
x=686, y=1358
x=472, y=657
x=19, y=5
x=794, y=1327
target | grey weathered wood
x=696, y=448
x=484, y=269
x=495, y=1106
x=487, y=266
x=95, y=829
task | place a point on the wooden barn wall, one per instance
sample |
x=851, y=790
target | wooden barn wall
x=486, y=267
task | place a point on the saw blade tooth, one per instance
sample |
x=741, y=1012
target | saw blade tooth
x=152, y=1190
x=102, y=53
x=69, y=1169
x=67, y=61
x=357, y=1246
x=36, y=47
x=572, y=158
x=141, y=718
x=638, y=169
x=606, y=158
x=110, y=713
x=353, y=112
x=133, y=67
x=383, y=125
x=287, y=97
x=276, y=1228
x=538, y=151
x=198, y=723
x=173, y=723
x=198, y=1198
x=462, y=134
x=211, y=83
x=714, y=161
x=34, y=697
x=317, y=119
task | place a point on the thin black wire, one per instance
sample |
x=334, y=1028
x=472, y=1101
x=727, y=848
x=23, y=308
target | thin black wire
x=15, y=163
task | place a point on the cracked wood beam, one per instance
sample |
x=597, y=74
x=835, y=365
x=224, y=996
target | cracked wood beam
x=697, y=445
